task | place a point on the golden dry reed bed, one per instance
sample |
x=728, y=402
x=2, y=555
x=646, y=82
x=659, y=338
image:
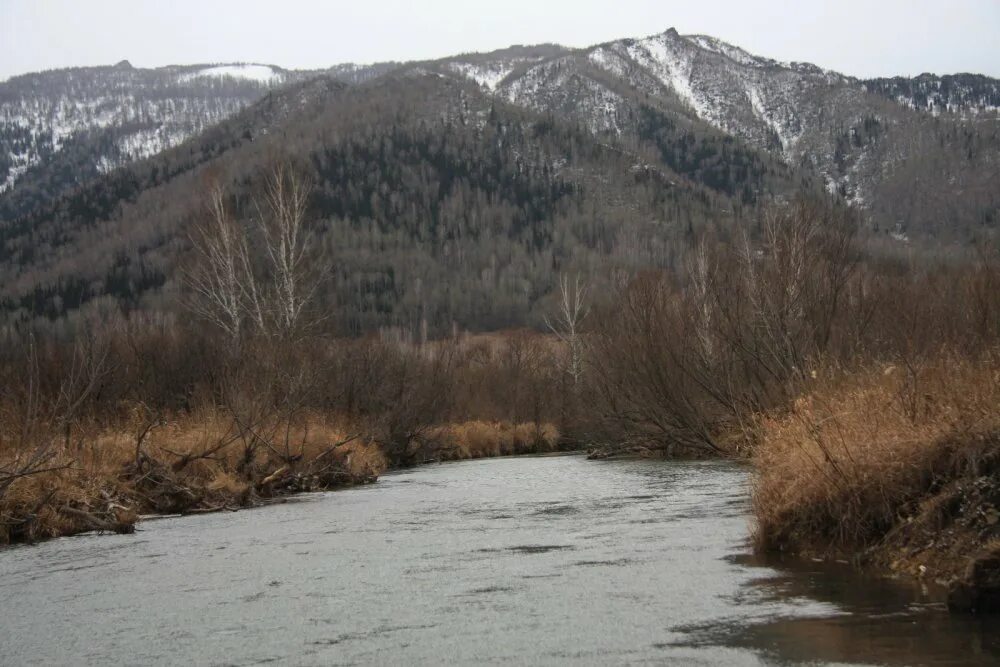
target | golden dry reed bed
x=479, y=439
x=897, y=463
x=201, y=463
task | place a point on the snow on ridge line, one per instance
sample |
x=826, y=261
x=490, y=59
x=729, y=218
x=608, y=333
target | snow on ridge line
x=734, y=53
x=661, y=57
x=489, y=75
x=259, y=73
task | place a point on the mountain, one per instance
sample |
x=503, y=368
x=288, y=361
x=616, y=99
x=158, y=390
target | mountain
x=454, y=192
x=142, y=112
x=871, y=141
x=437, y=202
x=61, y=128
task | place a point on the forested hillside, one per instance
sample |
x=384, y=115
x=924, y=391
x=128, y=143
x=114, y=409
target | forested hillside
x=433, y=201
x=866, y=148
x=453, y=193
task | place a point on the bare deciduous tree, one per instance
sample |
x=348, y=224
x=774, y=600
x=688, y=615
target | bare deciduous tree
x=700, y=275
x=45, y=416
x=268, y=292
x=794, y=280
x=567, y=323
x=281, y=212
x=90, y=365
x=681, y=362
x=33, y=446
x=222, y=285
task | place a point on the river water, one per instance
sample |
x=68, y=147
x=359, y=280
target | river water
x=536, y=560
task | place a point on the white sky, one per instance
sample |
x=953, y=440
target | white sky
x=863, y=38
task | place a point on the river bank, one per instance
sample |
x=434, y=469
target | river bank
x=202, y=464
x=895, y=468
x=551, y=560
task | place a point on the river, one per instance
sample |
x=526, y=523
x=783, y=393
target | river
x=532, y=560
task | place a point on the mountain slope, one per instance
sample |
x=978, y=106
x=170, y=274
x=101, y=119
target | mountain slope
x=61, y=128
x=963, y=94
x=867, y=140
x=151, y=109
x=436, y=202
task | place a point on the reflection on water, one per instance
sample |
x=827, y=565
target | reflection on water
x=879, y=621
x=544, y=560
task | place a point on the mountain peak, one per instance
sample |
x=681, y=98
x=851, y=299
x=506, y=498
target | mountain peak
x=123, y=64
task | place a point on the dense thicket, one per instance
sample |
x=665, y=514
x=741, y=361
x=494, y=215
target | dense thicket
x=690, y=359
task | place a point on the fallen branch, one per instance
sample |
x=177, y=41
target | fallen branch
x=274, y=476
x=96, y=523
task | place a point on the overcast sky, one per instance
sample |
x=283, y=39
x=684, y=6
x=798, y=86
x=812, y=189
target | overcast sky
x=863, y=38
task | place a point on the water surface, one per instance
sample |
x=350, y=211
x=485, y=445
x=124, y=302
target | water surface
x=540, y=560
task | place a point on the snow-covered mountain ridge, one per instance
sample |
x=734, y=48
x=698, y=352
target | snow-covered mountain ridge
x=121, y=113
x=866, y=139
x=846, y=129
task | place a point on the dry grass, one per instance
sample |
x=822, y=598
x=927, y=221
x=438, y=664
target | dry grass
x=101, y=488
x=477, y=439
x=868, y=450
x=310, y=436
x=65, y=502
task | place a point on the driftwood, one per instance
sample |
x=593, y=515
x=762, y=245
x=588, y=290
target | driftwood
x=158, y=485
x=603, y=452
x=210, y=510
x=97, y=523
x=275, y=476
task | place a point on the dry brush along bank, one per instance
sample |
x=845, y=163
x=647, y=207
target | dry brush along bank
x=106, y=479
x=137, y=418
x=895, y=466
x=205, y=464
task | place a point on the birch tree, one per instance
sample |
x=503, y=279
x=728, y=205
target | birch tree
x=287, y=244
x=567, y=321
x=221, y=283
x=266, y=287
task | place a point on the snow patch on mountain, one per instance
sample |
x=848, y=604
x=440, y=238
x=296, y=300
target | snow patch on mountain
x=142, y=144
x=45, y=126
x=14, y=173
x=127, y=113
x=782, y=130
x=258, y=73
x=608, y=59
x=734, y=53
x=672, y=66
x=556, y=86
x=488, y=75
x=796, y=110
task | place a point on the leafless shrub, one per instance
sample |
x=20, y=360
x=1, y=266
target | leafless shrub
x=688, y=361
